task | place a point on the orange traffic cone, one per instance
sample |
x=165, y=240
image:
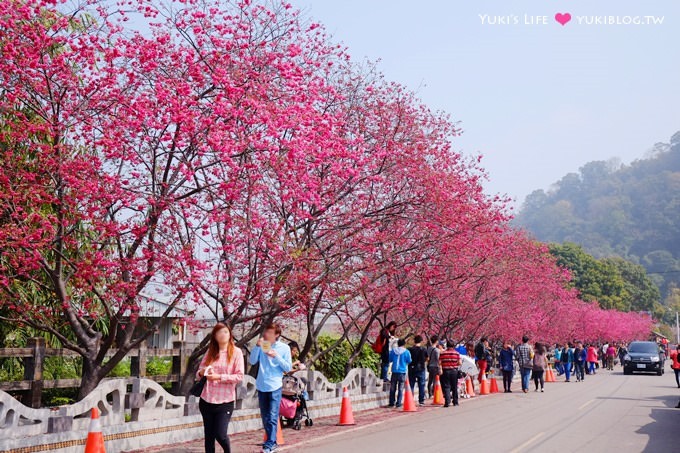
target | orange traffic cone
x=346, y=415
x=95, y=438
x=279, y=435
x=469, y=387
x=549, y=376
x=438, y=394
x=494, y=385
x=484, y=386
x=409, y=402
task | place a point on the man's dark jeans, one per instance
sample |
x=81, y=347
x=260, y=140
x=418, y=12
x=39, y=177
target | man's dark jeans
x=419, y=376
x=397, y=388
x=450, y=385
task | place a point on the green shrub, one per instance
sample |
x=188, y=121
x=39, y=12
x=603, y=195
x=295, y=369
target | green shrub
x=158, y=366
x=333, y=364
x=62, y=367
x=58, y=401
x=11, y=369
x=59, y=397
x=122, y=369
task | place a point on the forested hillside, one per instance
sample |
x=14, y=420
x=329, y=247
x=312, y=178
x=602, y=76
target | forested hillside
x=631, y=211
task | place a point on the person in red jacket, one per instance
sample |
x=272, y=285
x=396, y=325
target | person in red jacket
x=591, y=358
x=675, y=364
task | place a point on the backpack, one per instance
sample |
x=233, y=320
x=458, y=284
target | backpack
x=479, y=352
x=417, y=358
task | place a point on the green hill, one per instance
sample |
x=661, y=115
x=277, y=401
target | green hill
x=614, y=210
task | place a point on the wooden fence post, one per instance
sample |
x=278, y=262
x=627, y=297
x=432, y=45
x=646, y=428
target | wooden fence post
x=33, y=371
x=138, y=362
x=179, y=365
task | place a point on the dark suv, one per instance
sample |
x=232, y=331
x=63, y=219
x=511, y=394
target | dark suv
x=643, y=356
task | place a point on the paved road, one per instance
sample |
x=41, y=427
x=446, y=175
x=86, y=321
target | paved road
x=609, y=412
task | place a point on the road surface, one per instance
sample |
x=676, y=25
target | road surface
x=608, y=412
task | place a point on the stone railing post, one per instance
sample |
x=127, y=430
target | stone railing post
x=59, y=422
x=33, y=371
x=135, y=399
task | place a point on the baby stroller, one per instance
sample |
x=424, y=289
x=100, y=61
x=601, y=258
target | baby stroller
x=294, y=403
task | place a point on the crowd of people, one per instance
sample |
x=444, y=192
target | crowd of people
x=422, y=363
x=222, y=368
x=579, y=359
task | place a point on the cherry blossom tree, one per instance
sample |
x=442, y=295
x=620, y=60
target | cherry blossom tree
x=234, y=153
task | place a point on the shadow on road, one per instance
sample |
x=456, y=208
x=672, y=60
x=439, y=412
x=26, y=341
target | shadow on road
x=663, y=431
x=669, y=400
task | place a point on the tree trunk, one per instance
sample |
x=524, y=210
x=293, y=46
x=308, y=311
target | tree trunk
x=192, y=366
x=91, y=377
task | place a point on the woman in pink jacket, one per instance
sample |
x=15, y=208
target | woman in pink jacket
x=591, y=358
x=223, y=368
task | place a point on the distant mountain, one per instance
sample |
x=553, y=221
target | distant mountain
x=630, y=211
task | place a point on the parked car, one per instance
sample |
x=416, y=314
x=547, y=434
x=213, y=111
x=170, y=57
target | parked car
x=643, y=356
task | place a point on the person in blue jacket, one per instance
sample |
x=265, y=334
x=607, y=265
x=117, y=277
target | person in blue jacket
x=567, y=359
x=274, y=359
x=558, y=360
x=580, y=361
x=506, y=360
x=400, y=358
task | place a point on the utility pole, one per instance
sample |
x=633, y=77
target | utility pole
x=677, y=328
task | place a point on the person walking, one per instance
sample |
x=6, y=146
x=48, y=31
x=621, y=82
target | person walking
x=611, y=354
x=623, y=351
x=433, y=369
x=416, y=369
x=223, y=367
x=539, y=365
x=567, y=359
x=675, y=364
x=482, y=355
x=591, y=358
x=525, y=357
x=400, y=357
x=580, y=361
x=558, y=360
x=603, y=355
x=274, y=359
x=506, y=361
x=449, y=360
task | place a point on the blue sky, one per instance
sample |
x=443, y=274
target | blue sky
x=539, y=100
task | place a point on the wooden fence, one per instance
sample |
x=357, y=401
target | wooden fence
x=34, y=355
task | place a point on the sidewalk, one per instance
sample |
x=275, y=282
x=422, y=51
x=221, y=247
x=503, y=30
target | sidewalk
x=323, y=427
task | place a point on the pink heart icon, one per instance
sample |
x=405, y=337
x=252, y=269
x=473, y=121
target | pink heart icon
x=563, y=18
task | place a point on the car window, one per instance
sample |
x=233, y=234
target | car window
x=646, y=348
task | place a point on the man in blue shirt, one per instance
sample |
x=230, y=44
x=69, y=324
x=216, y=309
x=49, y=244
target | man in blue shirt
x=273, y=357
x=400, y=357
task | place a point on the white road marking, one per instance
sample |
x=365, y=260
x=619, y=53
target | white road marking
x=527, y=443
x=582, y=406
